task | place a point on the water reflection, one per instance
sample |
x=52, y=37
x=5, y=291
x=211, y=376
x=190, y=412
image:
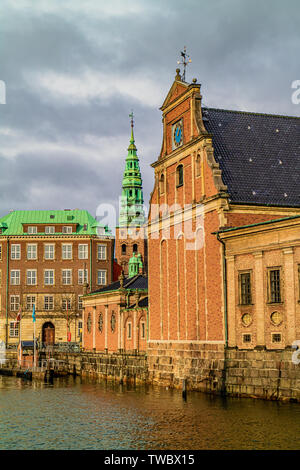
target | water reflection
x=73, y=414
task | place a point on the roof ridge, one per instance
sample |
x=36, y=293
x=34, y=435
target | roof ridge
x=252, y=113
x=132, y=280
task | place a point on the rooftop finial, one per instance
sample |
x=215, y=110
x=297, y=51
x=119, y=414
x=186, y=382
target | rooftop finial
x=185, y=61
x=132, y=125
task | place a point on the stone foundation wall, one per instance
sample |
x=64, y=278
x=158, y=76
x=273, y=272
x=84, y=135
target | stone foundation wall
x=213, y=369
x=121, y=367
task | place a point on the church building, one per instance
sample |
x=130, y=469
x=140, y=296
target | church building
x=219, y=170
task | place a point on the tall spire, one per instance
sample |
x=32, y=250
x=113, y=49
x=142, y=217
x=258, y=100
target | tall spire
x=131, y=210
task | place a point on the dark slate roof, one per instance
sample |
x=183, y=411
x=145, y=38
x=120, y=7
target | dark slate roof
x=259, y=155
x=142, y=303
x=137, y=282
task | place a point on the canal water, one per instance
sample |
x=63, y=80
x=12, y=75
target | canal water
x=71, y=414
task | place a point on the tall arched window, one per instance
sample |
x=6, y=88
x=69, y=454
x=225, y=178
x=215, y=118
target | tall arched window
x=135, y=248
x=179, y=175
x=162, y=183
x=198, y=165
x=124, y=249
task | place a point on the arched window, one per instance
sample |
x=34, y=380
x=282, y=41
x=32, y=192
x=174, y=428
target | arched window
x=162, y=183
x=124, y=249
x=135, y=248
x=179, y=175
x=198, y=165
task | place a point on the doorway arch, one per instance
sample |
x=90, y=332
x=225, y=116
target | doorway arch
x=48, y=333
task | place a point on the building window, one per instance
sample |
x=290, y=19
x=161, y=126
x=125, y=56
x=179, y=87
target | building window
x=31, y=277
x=13, y=329
x=30, y=302
x=0, y=251
x=101, y=252
x=15, y=252
x=179, y=175
x=101, y=277
x=32, y=251
x=89, y=323
x=49, y=251
x=15, y=277
x=32, y=229
x=113, y=322
x=162, y=183
x=50, y=229
x=124, y=249
x=66, y=304
x=143, y=330
x=135, y=248
x=274, y=286
x=49, y=277
x=79, y=333
x=245, y=288
x=67, y=276
x=198, y=165
x=129, y=332
x=246, y=338
x=48, y=302
x=67, y=229
x=276, y=337
x=82, y=276
x=83, y=251
x=79, y=302
x=14, y=303
x=100, y=322
x=66, y=250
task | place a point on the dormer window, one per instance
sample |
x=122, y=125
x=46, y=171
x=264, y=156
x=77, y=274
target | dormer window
x=179, y=175
x=67, y=229
x=32, y=229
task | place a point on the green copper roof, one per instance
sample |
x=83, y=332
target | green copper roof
x=131, y=209
x=86, y=224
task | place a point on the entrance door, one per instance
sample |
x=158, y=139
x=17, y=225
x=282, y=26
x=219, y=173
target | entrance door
x=48, y=333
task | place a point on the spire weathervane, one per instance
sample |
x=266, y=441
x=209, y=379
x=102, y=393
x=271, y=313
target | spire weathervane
x=185, y=61
x=131, y=116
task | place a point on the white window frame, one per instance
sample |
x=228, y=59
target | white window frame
x=101, y=272
x=47, y=277
x=29, y=278
x=143, y=329
x=101, y=252
x=67, y=229
x=83, y=251
x=50, y=305
x=13, y=329
x=14, y=303
x=67, y=251
x=29, y=247
x=32, y=229
x=66, y=275
x=15, y=279
x=49, y=229
x=15, y=251
x=29, y=304
x=83, y=276
x=48, y=251
x=64, y=303
x=80, y=307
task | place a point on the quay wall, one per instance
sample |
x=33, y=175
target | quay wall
x=211, y=368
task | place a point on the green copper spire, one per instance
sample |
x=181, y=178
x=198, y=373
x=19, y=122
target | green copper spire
x=135, y=265
x=131, y=207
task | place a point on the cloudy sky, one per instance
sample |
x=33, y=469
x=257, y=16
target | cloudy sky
x=74, y=70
